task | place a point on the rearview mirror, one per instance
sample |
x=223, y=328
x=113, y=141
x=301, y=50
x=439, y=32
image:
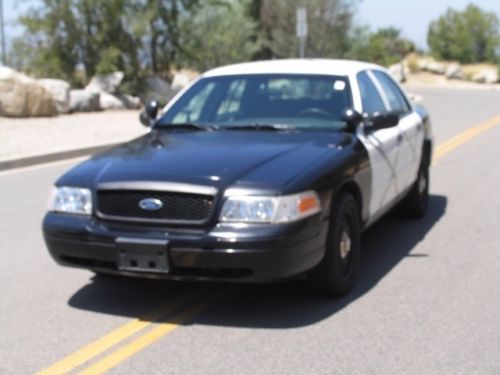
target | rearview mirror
x=149, y=114
x=381, y=120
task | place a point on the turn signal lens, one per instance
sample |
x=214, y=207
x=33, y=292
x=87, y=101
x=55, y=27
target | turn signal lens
x=309, y=203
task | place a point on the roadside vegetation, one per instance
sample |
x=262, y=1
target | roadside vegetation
x=76, y=39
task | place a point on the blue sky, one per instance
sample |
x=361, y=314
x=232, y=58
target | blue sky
x=411, y=16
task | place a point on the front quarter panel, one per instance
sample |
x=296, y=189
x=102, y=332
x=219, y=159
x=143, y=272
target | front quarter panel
x=346, y=166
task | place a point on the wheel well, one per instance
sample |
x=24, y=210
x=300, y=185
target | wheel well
x=352, y=188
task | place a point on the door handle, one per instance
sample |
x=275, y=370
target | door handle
x=400, y=138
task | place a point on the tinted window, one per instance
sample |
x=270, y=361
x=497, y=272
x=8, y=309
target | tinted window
x=370, y=98
x=291, y=99
x=396, y=99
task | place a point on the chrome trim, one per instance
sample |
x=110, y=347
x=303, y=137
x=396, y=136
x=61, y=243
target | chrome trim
x=167, y=187
x=140, y=241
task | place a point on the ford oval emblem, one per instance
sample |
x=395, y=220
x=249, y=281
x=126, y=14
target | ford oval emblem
x=151, y=204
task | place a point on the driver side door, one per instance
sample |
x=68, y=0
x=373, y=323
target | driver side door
x=382, y=146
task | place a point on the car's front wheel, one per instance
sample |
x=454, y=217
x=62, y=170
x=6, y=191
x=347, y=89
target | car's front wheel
x=337, y=273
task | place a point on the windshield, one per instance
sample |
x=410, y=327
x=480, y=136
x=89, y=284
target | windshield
x=299, y=101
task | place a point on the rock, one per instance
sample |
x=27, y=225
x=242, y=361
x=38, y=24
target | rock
x=454, y=71
x=399, y=71
x=105, y=82
x=59, y=90
x=436, y=68
x=487, y=75
x=23, y=96
x=422, y=64
x=156, y=88
x=129, y=101
x=182, y=78
x=108, y=101
x=84, y=101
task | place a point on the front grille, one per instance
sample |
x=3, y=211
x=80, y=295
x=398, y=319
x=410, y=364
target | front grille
x=177, y=207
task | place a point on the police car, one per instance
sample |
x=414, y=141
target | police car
x=256, y=172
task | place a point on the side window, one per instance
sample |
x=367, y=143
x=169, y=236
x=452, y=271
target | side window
x=370, y=98
x=396, y=98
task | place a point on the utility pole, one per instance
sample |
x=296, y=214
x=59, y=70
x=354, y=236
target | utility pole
x=2, y=33
x=302, y=30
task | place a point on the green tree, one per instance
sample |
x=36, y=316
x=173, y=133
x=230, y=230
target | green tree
x=61, y=34
x=386, y=46
x=329, y=23
x=157, y=24
x=219, y=33
x=469, y=36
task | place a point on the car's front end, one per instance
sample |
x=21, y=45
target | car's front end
x=234, y=182
x=213, y=249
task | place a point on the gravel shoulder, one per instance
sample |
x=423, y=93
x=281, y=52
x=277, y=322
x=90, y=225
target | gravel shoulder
x=27, y=137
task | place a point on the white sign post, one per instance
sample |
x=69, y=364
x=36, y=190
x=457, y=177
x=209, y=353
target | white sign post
x=302, y=29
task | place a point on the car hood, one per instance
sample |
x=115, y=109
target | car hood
x=260, y=159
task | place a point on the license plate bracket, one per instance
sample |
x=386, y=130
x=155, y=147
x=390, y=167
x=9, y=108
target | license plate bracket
x=142, y=255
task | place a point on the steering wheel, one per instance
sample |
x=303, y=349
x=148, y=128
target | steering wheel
x=315, y=112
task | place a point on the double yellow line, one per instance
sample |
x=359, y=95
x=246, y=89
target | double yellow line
x=169, y=316
x=165, y=319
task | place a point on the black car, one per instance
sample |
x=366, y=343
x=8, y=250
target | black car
x=256, y=172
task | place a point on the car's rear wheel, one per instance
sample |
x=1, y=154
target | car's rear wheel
x=337, y=273
x=414, y=205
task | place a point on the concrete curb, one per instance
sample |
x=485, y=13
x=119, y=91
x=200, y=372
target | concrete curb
x=55, y=156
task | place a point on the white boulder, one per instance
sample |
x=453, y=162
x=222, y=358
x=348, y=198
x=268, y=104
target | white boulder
x=84, y=101
x=181, y=78
x=129, y=101
x=105, y=83
x=487, y=75
x=23, y=96
x=59, y=90
x=436, y=68
x=399, y=71
x=454, y=71
x=108, y=101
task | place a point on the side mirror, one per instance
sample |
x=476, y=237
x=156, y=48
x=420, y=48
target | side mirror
x=381, y=120
x=352, y=118
x=149, y=114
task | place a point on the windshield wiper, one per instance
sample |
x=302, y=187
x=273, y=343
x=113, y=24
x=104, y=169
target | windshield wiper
x=184, y=126
x=258, y=126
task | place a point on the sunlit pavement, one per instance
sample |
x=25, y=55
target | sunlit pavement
x=427, y=301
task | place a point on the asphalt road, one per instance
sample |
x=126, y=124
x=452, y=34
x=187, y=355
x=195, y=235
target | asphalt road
x=428, y=300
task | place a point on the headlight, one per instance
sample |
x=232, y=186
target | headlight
x=252, y=209
x=71, y=200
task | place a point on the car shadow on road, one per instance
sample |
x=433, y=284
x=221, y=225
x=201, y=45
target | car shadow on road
x=282, y=305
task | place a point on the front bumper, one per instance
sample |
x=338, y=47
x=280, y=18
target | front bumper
x=252, y=253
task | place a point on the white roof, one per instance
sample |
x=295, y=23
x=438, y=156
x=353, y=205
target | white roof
x=294, y=66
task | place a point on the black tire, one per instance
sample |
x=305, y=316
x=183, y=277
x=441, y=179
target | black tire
x=337, y=273
x=414, y=205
